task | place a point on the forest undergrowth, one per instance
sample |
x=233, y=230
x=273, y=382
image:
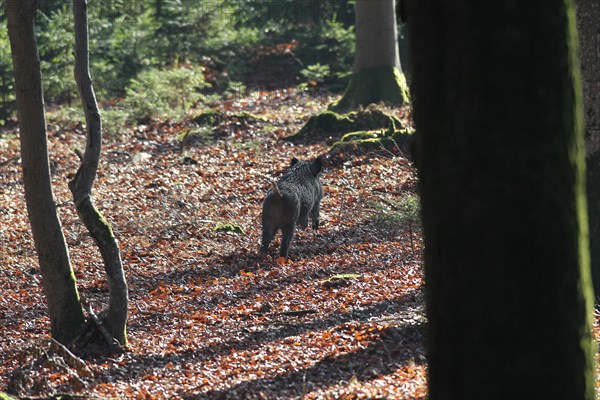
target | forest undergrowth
x=208, y=317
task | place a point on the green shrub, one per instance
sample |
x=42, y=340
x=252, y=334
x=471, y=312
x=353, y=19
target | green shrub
x=55, y=45
x=316, y=73
x=229, y=49
x=403, y=215
x=164, y=93
x=228, y=36
x=234, y=90
x=239, y=27
x=65, y=116
x=333, y=45
x=119, y=50
x=7, y=91
x=114, y=120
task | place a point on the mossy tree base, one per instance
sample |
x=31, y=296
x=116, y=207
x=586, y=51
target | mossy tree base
x=331, y=126
x=374, y=85
x=392, y=140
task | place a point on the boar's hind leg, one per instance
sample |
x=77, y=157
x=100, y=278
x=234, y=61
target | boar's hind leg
x=286, y=238
x=303, y=218
x=314, y=216
x=267, y=235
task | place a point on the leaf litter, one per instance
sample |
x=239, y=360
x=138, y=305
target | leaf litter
x=210, y=318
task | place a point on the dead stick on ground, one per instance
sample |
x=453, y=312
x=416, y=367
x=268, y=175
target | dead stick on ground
x=107, y=336
x=3, y=163
x=153, y=314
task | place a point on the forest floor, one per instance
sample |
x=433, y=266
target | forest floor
x=209, y=318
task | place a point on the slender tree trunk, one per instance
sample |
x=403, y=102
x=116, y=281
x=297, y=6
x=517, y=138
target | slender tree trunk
x=500, y=154
x=66, y=314
x=377, y=74
x=588, y=23
x=81, y=185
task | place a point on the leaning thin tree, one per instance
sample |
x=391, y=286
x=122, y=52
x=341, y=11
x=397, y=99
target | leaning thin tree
x=81, y=185
x=500, y=153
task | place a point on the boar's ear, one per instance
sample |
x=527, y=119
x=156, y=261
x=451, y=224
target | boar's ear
x=294, y=161
x=316, y=166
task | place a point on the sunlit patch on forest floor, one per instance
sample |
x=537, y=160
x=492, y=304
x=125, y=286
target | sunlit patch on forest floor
x=209, y=318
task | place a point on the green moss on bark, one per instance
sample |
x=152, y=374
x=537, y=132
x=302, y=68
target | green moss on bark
x=330, y=122
x=330, y=125
x=374, y=85
x=97, y=225
x=374, y=139
x=101, y=231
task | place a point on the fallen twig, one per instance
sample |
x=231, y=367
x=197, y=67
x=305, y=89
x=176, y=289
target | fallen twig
x=151, y=313
x=5, y=162
x=107, y=336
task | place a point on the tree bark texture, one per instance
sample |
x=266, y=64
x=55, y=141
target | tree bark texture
x=376, y=34
x=81, y=185
x=64, y=308
x=500, y=153
x=377, y=74
x=588, y=24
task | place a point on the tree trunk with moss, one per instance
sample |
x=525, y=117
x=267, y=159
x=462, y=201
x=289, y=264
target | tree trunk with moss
x=64, y=308
x=81, y=185
x=588, y=23
x=377, y=75
x=500, y=153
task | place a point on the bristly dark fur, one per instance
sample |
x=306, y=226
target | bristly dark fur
x=291, y=201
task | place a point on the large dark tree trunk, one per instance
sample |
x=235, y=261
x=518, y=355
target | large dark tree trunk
x=81, y=185
x=500, y=153
x=66, y=314
x=588, y=23
x=377, y=75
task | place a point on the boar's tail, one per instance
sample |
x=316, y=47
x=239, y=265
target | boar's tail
x=275, y=189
